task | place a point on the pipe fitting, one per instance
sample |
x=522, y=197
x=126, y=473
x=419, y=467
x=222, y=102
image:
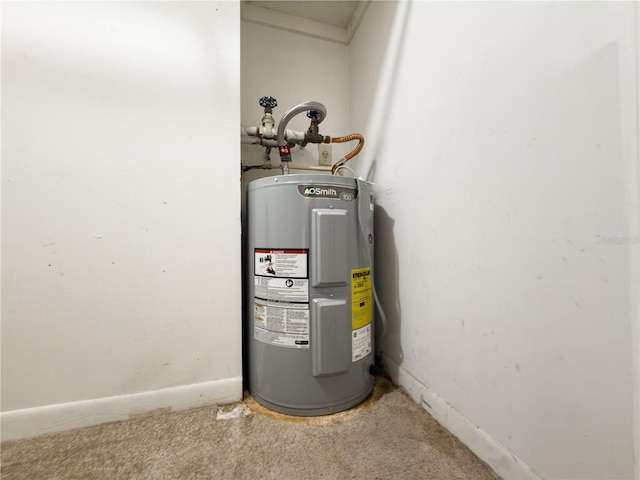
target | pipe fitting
x=292, y=112
x=314, y=136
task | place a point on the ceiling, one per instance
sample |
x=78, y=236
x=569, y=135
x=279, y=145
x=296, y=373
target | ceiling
x=333, y=20
x=334, y=13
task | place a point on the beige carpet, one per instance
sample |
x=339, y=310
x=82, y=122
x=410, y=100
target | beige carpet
x=386, y=437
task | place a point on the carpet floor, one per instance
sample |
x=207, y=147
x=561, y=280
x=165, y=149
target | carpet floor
x=388, y=436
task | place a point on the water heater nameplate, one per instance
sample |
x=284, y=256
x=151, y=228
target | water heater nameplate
x=329, y=257
x=361, y=343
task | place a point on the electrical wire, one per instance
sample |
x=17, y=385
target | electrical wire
x=340, y=167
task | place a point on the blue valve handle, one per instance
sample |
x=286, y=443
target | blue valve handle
x=268, y=102
x=313, y=114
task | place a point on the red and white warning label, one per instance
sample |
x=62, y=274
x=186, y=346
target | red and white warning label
x=281, y=297
x=281, y=275
x=281, y=263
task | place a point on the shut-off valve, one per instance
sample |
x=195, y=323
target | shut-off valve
x=268, y=136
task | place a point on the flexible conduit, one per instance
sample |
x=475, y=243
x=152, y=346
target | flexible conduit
x=350, y=155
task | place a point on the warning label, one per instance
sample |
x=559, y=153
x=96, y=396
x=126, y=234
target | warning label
x=281, y=263
x=361, y=343
x=281, y=293
x=281, y=275
x=281, y=289
x=361, y=298
x=284, y=324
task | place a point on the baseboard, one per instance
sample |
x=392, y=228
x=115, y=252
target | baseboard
x=29, y=422
x=506, y=464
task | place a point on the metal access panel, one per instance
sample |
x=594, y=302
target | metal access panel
x=309, y=302
x=329, y=235
x=331, y=337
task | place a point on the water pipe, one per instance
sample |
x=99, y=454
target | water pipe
x=309, y=167
x=283, y=146
x=267, y=136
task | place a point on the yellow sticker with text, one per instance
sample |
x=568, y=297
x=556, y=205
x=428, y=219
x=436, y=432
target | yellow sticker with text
x=361, y=298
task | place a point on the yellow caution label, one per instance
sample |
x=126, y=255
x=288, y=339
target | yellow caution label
x=361, y=298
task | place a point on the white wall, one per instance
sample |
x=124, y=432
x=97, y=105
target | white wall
x=507, y=223
x=120, y=207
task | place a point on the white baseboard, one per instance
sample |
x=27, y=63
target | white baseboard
x=29, y=422
x=497, y=456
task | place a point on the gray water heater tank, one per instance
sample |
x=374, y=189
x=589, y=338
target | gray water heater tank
x=309, y=311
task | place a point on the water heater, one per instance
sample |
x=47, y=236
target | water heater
x=309, y=311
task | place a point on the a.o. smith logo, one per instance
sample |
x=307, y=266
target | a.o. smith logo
x=320, y=192
x=328, y=191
